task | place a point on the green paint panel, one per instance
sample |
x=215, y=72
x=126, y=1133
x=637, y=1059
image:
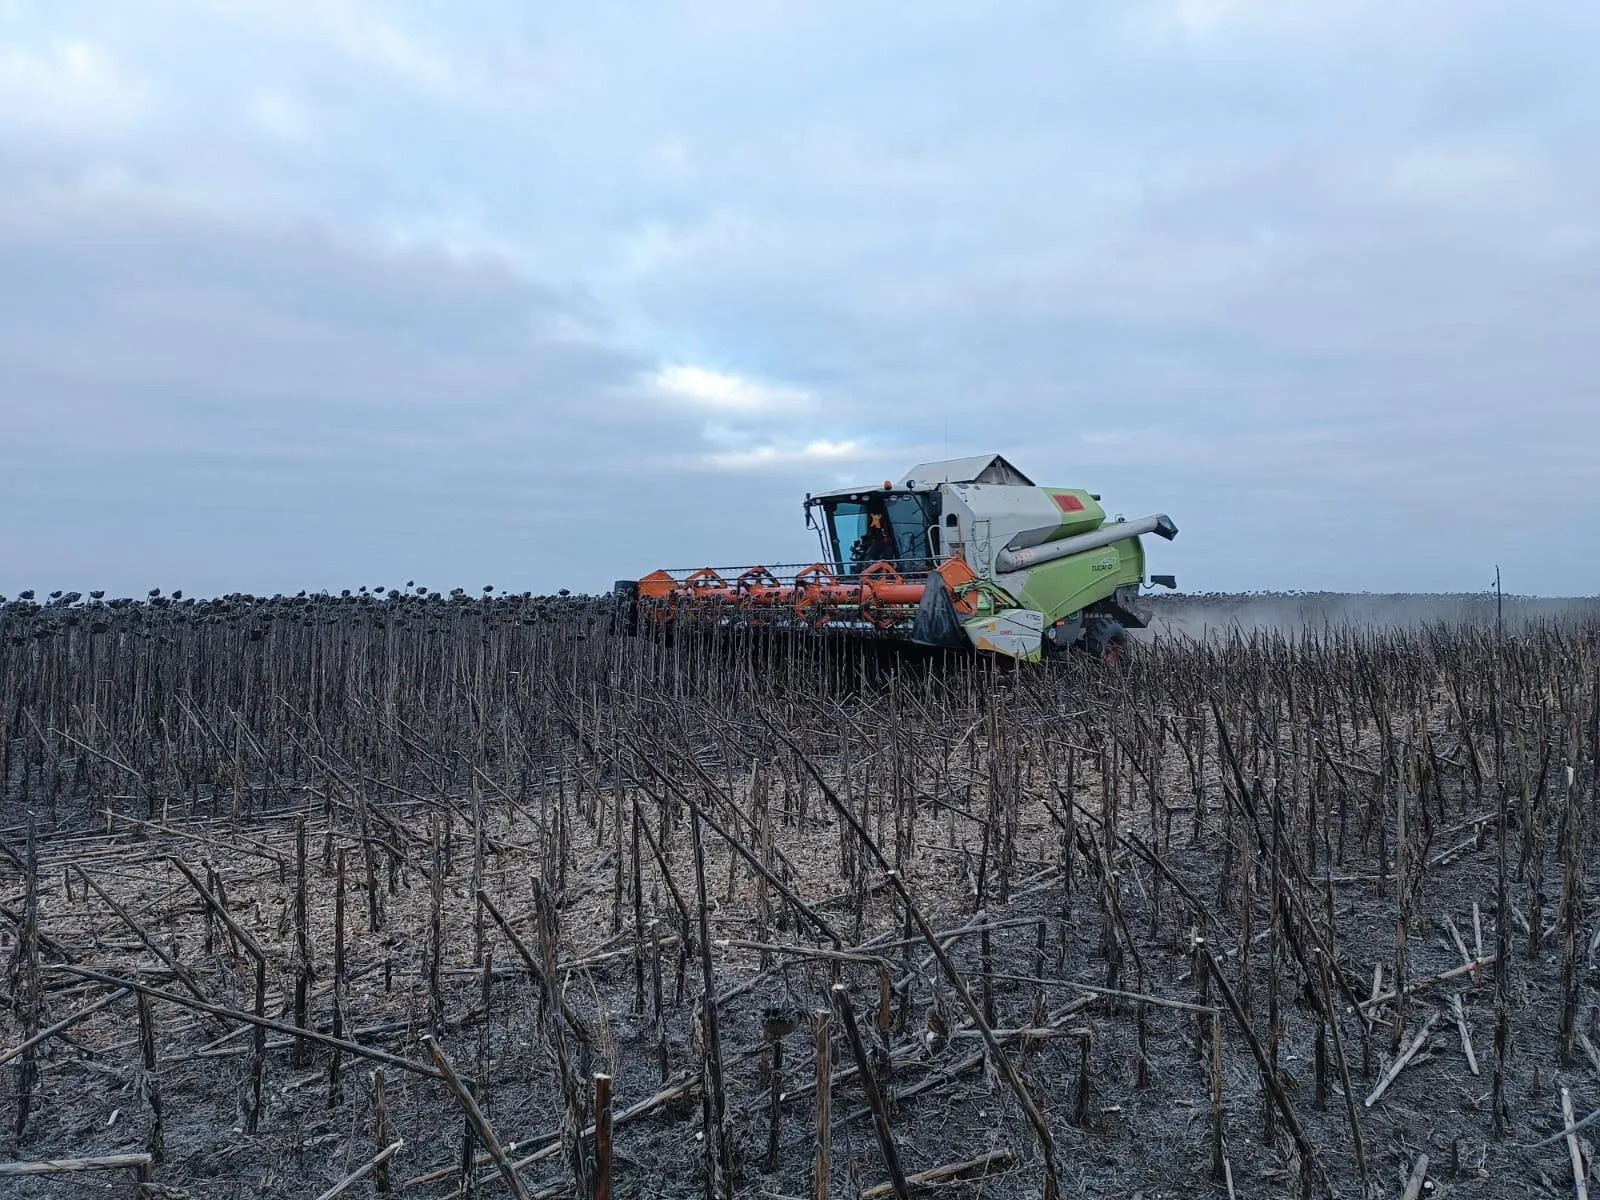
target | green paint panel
x=1059, y=589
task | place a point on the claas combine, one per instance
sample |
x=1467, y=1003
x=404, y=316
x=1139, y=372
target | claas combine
x=967, y=554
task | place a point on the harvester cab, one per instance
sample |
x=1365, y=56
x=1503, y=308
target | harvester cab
x=967, y=554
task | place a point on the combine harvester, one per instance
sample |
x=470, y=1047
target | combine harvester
x=964, y=555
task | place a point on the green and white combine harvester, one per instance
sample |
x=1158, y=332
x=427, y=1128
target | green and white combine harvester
x=967, y=554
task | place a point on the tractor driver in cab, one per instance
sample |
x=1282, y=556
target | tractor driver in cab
x=875, y=545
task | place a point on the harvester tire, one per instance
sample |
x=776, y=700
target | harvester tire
x=1105, y=640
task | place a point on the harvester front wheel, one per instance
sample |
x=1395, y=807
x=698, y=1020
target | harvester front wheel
x=1106, y=640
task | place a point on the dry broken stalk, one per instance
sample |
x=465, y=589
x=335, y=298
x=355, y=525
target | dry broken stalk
x=474, y=1115
x=822, y=1159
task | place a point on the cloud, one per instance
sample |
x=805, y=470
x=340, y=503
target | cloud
x=1204, y=15
x=787, y=455
x=378, y=279
x=365, y=33
x=280, y=116
x=68, y=88
x=725, y=392
x=237, y=407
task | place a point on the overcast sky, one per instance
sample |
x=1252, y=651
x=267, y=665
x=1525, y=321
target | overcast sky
x=322, y=294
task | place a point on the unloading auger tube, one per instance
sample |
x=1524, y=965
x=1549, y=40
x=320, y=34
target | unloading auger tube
x=967, y=554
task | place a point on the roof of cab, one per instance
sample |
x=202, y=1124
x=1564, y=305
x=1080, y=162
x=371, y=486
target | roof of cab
x=978, y=468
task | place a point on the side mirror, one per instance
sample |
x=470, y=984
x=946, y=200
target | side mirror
x=1166, y=581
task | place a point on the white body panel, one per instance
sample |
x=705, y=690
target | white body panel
x=992, y=518
x=1016, y=632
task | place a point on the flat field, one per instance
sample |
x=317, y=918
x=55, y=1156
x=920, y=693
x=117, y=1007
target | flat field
x=469, y=895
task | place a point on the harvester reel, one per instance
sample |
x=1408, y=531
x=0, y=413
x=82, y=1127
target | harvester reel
x=757, y=577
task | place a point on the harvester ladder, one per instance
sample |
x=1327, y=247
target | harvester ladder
x=981, y=550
